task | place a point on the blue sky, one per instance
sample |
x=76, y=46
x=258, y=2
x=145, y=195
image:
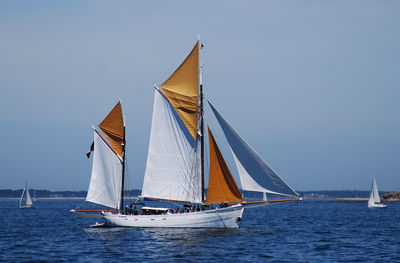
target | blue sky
x=313, y=86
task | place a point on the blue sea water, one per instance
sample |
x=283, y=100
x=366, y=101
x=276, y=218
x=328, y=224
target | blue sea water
x=310, y=231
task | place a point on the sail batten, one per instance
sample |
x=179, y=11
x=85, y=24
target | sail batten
x=254, y=173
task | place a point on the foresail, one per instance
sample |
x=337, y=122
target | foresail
x=182, y=90
x=28, y=197
x=173, y=160
x=113, y=128
x=105, y=181
x=254, y=173
x=221, y=185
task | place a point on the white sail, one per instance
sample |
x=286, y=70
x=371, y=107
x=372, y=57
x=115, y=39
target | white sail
x=254, y=173
x=374, y=195
x=28, y=197
x=105, y=182
x=26, y=201
x=22, y=198
x=173, y=161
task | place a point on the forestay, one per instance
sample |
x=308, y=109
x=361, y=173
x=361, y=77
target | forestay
x=105, y=183
x=254, y=173
x=173, y=160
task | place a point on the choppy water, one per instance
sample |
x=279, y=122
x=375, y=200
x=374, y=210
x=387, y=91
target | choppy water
x=311, y=231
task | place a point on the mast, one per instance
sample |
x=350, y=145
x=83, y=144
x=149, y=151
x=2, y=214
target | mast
x=121, y=206
x=201, y=128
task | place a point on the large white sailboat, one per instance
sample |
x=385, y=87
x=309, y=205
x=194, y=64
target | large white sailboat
x=374, y=201
x=26, y=201
x=175, y=163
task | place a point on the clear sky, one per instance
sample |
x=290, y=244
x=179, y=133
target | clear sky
x=313, y=86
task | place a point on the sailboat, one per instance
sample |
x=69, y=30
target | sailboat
x=175, y=168
x=374, y=201
x=26, y=201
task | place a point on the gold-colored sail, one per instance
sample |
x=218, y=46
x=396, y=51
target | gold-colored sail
x=113, y=128
x=221, y=186
x=182, y=90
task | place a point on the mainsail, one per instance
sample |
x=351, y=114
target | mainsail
x=105, y=182
x=173, y=169
x=221, y=185
x=173, y=160
x=254, y=173
x=28, y=197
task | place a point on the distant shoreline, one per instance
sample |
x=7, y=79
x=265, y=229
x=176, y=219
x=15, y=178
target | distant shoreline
x=58, y=198
x=352, y=199
x=344, y=199
x=331, y=195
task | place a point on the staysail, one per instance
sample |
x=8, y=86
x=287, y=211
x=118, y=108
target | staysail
x=173, y=160
x=254, y=173
x=221, y=185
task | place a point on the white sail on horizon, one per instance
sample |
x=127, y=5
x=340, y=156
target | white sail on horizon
x=28, y=196
x=25, y=201
x=374, y=195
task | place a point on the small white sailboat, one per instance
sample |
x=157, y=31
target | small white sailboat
x=374, y=200
x=175, y=164
x=26, y=201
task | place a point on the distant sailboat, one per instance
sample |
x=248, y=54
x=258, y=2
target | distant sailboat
x=26, y=201
x=175, y=163
x=374, y=200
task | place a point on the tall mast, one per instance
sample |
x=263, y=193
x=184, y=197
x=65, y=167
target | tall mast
x=201, y=128
x=121, y=206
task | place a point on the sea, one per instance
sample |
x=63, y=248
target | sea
x=308, y=231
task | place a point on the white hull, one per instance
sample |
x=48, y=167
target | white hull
x=27, y=206
x=218, y=218
x=376, y=205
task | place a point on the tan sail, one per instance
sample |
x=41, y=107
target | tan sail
x=221, y=186
x=113, y=128
x=182, y=90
